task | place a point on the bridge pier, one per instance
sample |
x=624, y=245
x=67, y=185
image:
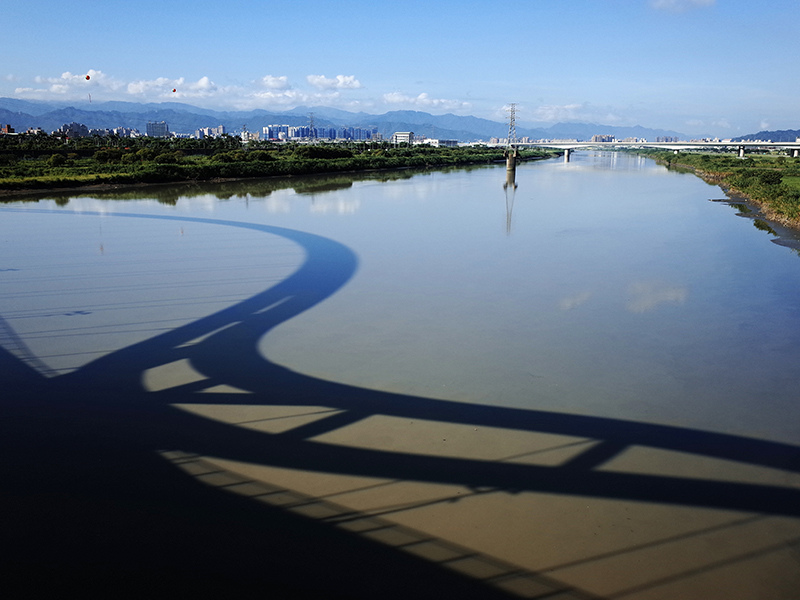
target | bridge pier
x=511, y=159
x=567, y=152
x=511, y=179
x=511, y=167
x=741, y=151
x=795, y=153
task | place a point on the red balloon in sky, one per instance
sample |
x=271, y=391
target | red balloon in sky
x=173, y=89
x=88, y=78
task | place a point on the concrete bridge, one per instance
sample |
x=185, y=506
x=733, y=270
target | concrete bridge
x=792, y=147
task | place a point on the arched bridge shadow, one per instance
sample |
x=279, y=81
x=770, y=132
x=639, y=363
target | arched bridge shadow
x=84, y=477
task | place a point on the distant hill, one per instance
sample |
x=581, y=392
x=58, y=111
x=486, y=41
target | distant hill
x=180, y=118
x=185, y=118
x=787, y=135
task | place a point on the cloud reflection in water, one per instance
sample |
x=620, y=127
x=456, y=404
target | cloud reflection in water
x=645, y=296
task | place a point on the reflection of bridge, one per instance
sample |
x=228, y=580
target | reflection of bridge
x=741, y=147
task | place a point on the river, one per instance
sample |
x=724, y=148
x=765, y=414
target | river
x=606, y=290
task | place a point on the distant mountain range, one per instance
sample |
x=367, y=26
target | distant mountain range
x=185, y=118
x=782, y=135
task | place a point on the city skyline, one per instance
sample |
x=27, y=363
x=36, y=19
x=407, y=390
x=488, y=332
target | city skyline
x=711, y=67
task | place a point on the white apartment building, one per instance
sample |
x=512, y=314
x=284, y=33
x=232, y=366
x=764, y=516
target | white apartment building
x=400, y=137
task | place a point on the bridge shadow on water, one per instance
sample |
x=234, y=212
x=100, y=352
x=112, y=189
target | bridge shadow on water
x=107, y=489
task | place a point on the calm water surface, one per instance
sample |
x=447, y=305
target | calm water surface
x=606, y=286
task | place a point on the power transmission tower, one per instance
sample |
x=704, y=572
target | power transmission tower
x=512, y=125
x=511, y=149
x=312, y=132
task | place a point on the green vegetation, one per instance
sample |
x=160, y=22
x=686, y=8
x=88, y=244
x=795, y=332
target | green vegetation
x=793, y=181
x=772, y=181
x=35, y=162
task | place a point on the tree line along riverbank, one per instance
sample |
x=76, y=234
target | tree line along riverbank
x=46, y=162
x=41, y=162
x=770, y=181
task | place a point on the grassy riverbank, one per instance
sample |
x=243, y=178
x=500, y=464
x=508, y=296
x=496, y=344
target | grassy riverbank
x=31, y=163
x=770, y=181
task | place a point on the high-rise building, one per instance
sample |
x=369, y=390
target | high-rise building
x=205, y=132
x=126, y=132
x=275, y=132
x=73, y=130
x=157, y=129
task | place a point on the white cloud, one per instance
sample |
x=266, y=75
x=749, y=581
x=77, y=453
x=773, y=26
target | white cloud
x=70, y=84
x=275, y=83
x=146, y=86
x=162, y=87
x=265, y=92
x=764, y=125
x=680, y=5
x=281, y=97
x=340, y=82
x=203, y=84
x=423, y=100
x=553, y=113
x=246, y=100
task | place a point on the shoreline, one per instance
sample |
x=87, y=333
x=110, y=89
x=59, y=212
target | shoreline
x=786, y=230
x=732, y=193
x=113, y=187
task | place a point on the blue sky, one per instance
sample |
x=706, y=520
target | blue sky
x=718, y=67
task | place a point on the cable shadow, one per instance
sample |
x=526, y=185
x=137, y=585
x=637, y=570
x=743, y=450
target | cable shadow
x=87, y=487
